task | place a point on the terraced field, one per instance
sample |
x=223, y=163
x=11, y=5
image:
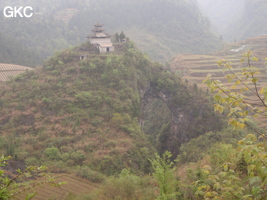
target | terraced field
x=73, y=185
x=195, y=68
x=8, y=71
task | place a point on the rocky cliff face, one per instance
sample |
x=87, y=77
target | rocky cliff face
x=191, y=113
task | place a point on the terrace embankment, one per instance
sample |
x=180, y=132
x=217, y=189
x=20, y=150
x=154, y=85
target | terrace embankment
x=195, y=68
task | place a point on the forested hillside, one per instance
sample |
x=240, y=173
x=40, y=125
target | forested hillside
x=160, y=28
x=14, y=52
x=39, y=34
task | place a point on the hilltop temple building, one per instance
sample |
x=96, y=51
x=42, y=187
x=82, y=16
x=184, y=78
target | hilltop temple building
x=101, y=39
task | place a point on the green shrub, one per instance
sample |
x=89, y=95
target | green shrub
x=221, y=154
x=78, y=157
x=117, y=120
x=65, y=156
x=164, y=174
x=89, y=174
x=52, y=153
x=127, y=187
x=21, y=154
x=197, y=148
x=31, y=161
x=70, y=163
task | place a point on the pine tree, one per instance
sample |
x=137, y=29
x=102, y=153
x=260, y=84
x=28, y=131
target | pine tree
x=122, y=36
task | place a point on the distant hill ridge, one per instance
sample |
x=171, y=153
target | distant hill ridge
x=11, y=70
x=161, y=28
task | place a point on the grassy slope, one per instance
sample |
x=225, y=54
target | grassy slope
x=71, y=113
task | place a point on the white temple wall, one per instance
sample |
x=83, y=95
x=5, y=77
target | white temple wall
x=100, y=40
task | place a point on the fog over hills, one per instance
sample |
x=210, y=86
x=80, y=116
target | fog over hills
x=236, y=20
x=221, y=13
x=159, y=27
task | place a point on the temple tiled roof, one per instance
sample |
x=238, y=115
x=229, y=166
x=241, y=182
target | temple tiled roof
x=98, y=32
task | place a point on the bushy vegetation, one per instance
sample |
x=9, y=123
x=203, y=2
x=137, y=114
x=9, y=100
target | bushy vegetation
x=208, y=144
x=81, y=107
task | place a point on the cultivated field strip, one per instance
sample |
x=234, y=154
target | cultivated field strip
x=8, y=71
x=73, y=185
